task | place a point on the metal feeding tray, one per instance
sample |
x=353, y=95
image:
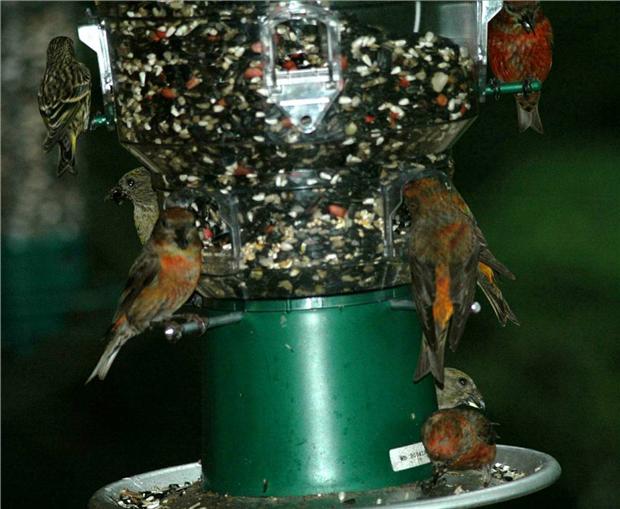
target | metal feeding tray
x=180, y=488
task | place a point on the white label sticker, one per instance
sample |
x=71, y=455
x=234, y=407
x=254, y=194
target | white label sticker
x=408, y=456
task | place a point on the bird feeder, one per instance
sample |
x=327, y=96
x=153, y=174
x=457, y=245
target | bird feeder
x=292, y=128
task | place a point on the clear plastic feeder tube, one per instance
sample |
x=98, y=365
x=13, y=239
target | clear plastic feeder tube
x=241, y=100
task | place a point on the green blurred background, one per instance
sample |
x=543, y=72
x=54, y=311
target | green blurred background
x=549, y=208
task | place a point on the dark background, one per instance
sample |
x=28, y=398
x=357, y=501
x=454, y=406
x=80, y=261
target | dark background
x=548, y=205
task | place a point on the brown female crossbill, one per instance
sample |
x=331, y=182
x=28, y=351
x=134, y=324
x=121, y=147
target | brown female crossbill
x=459, y=389
x=136, y=186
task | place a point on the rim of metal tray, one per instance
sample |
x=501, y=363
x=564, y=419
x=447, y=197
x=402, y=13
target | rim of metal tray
x=546, y=470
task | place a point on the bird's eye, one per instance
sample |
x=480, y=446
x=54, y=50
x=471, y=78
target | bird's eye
x=131, y=182
x=462, y=381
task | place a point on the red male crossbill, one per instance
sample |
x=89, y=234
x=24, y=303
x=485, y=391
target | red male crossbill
x=445, y=250
x=460, y=438
x=520, y=43
x=161, y=280
x=64, y=101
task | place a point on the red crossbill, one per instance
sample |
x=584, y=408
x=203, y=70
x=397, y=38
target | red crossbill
x=459, y=389
x=64, y=101
x=136, y=186
x=445, y=249
x=520, y=43
x=460, y=438
x=161, y=280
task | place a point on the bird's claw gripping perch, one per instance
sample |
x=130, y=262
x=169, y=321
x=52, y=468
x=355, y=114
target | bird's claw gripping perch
x=495, y=86
x=99, y=120
x=103, y=119
x=192, y=325
x=525, y=87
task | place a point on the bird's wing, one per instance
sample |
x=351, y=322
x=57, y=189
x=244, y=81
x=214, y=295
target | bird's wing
x=143, y=273
x=485, y=254
x=423, y=283
x=548, y=31
x=463, y=290
x=63, y=100
x=486, y=430
x=494, y=295
x=489, y=259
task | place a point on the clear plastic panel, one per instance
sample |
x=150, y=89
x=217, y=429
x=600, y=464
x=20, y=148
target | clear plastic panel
x=297, y=123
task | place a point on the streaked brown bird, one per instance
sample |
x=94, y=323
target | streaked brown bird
x=445, y=249
x=459, y=389
x=520, y=48
x=460, y=438
x=136, y=186
x=161, y=280
x=64, y=101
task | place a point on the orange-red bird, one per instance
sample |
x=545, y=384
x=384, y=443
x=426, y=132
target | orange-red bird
x=520, y=44
x=460, y=438
x=446, y=250
x=161, y=280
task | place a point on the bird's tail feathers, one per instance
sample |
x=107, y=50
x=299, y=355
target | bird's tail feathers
x=488, y=264
x=49, y=142
x=497, y=301
x=431, y=361
x=527, y=113
x=117, y=336
x=66, y=162
x=58, y=135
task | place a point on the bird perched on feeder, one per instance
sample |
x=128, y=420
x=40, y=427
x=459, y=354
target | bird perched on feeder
x=460, y=438
x=161, y=280
x=64, y=101
x=520, y=45
x=459, y=389
x=136, y=186
x=445, y=249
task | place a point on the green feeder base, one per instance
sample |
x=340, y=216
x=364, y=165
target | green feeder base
x=314, y=395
